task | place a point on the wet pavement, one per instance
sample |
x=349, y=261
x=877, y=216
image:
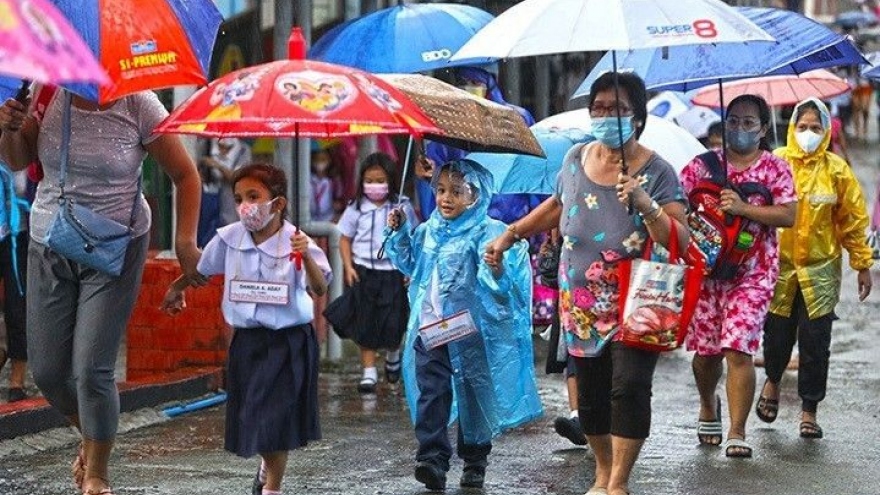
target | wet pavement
x=368, y=445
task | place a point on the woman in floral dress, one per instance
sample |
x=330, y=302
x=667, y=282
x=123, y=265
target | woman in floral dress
x=729, y=319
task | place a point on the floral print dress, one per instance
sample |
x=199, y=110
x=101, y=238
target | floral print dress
x=597, y=232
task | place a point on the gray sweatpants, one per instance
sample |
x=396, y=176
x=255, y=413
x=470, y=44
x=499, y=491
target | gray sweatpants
x=76, y=318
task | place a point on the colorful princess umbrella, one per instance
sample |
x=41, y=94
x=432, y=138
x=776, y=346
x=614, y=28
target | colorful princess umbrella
x=404, y=38
x=297, y=98
x=145, y=44
x=37, y=43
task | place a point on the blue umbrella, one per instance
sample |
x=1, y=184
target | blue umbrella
x=855, y=19
x=871, y=70
x=802, y=45
x=529, y=174
x=403, y=38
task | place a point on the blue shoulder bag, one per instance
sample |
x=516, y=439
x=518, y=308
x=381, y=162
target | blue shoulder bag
x=81, y=235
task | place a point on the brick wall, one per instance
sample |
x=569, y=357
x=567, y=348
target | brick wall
x=158, y=343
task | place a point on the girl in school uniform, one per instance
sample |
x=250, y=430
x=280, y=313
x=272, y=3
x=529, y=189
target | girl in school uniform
x=272, y=272
x=378, y=294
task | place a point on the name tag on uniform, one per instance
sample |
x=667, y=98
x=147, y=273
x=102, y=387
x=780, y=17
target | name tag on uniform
x=442, y=332
x=259, y=292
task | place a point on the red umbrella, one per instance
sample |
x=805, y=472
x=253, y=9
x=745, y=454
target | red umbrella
x=298, y=98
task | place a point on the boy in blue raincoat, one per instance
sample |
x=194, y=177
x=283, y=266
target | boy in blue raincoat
x=486, y=378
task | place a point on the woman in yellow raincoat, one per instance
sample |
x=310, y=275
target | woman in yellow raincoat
x=831, y=215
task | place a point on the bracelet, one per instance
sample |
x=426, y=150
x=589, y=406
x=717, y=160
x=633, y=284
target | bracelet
x=512, y=229
x=649, y=221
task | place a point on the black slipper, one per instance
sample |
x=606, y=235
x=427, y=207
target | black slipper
x=811, y=429
x=766, y=409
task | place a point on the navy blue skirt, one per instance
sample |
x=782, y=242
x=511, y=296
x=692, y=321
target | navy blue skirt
x=272, y=384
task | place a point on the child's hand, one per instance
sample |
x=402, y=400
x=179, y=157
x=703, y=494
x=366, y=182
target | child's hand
x=495, y=263
x=299, y=243
x=173, y=302
x=351, y=276
x=396, y=219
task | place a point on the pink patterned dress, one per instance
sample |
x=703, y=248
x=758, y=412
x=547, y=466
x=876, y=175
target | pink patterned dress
x=730, y=313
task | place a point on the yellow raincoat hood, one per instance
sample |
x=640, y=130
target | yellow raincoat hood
x=831, y=214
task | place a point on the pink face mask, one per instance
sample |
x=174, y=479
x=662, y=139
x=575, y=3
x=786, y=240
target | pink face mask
x=256, y=216
x=376, y=192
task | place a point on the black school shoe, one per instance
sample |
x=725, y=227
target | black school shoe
x=473, y=477
x=431, y=476
x=392, y=371
x=16, y=394
x=570, y=428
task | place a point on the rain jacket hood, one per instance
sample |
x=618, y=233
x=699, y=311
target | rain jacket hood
x=494, y=379
x=831, y=214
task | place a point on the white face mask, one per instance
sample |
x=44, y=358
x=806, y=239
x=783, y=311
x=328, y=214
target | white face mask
x=809, y=141
x=256, y=216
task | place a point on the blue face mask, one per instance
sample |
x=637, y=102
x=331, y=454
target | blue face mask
x=605, y=130
x=743, y=141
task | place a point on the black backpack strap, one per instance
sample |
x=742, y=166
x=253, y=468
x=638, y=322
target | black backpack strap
x=713, y=165
x=748, y=189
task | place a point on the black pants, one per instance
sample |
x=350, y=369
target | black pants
x=14, y=305
x=814, y=346
x=614, y=391
x=434, y=377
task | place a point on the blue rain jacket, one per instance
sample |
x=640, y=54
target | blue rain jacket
x=494, y=382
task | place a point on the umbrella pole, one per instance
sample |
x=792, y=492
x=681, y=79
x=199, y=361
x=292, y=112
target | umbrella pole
x=723, y=129
x=381, y=254
x=623, y=167
x=773, y=123
x=22, y=94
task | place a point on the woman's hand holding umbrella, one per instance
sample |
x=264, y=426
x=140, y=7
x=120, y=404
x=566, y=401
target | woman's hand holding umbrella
x=628, y=186
x=12, y=115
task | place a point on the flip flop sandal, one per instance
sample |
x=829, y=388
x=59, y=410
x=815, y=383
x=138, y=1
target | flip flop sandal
x=737, y=447
x=811, y=429
x=709, y=431
x=767, y=409
x=78, y=469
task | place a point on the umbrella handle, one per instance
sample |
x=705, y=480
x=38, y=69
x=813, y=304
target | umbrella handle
x=297, y=257
x=23, y=91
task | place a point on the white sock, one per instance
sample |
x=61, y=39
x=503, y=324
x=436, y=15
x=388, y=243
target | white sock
x=573, y=414
x=393, y=357
x=271, y=492
x=371, y=373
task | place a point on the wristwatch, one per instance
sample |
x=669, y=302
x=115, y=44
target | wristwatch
x=653, y=209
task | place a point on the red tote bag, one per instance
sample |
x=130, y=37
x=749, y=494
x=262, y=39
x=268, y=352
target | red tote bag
x=658, y=298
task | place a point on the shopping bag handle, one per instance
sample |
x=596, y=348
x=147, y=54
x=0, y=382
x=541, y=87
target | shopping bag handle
x=673, y=248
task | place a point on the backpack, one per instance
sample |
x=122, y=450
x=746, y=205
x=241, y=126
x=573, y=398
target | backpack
x=721, y=239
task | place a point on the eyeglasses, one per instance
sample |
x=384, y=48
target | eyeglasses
x=745, y=123
x=604, y=111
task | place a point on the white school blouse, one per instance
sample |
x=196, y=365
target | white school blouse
x=232, y=253
x=365, y=226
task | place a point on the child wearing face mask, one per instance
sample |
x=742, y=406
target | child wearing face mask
x=325, y=186
x=376, y=290
x=272, y=272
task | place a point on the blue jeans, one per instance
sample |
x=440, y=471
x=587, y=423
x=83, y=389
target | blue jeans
x=434, y=377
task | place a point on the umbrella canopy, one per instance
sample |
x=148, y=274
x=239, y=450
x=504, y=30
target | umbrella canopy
x=145, y=44
x=516, y=173
x=777, y=90
x=542, y=27
x=674, y=108
x=855, y=19
x=468, y=122
x=38, y=43
x=670, y=141
x=802, y=44
x=871, y=70
x=403, y=38
x=297, y=98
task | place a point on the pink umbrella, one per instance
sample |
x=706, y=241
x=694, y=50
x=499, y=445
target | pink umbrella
x=38, y=43
x=777, y=90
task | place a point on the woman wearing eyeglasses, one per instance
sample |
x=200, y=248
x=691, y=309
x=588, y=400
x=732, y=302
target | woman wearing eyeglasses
x=728, y=322
x=832, y=216
x=590, y=209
